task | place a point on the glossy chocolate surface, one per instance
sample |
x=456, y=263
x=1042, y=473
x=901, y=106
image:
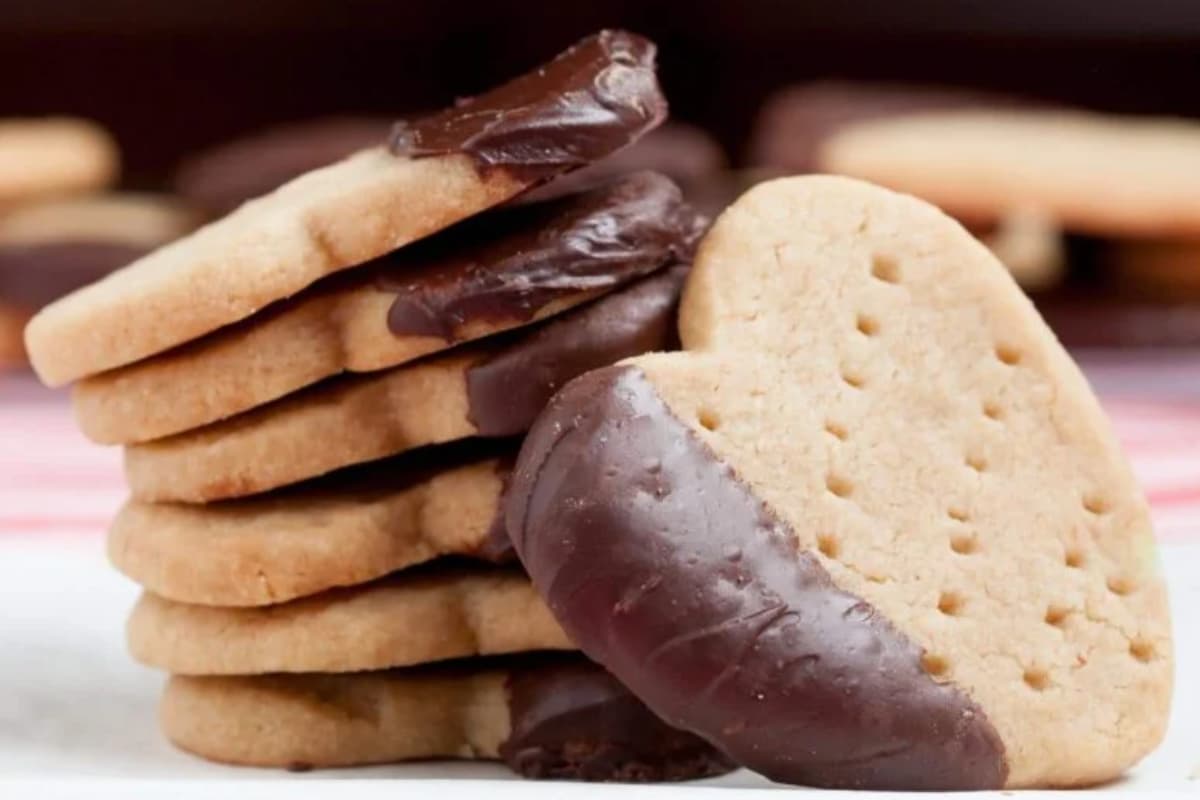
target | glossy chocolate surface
x=667, y=569
x=588, y=102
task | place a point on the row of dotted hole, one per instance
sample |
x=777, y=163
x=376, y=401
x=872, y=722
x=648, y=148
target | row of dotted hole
x=887, y=269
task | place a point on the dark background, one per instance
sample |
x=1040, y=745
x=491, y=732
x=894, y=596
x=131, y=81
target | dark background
x=170, y=77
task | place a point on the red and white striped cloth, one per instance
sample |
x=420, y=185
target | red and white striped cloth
x=53, y=481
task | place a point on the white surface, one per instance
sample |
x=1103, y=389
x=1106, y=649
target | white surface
x=72, y=704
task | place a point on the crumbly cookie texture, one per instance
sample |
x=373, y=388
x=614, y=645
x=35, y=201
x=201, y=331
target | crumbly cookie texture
x=302, y=721
x=398, y=621
x=905, y=440
x=309, y=538
x=1099, y=174
x=329, y=219
x=53, y=156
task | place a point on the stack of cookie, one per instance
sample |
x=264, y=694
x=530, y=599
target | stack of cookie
x=56, y=232
x=320, y=396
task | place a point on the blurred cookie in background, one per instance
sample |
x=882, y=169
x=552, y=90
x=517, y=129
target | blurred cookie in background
x=51, y=248
x=1122, y=188
x=796, y=124
x=53, y=156
x=220, y=179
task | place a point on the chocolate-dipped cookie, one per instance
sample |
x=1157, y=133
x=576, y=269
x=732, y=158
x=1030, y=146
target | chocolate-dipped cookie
x=491, y=389
x=544, y=717
x=591, y=100
x=870, y=528
x=498, y=271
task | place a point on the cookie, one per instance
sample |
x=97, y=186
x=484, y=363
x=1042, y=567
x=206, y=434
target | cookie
x=223, y=177
x=53, y=156
x=870, y=528
x=1092, y=173
x=544, y=717
x=348, y=528
x=52, y=248
x=491, y=389
x=794, y=122
x=489, y=274
x=410, y=618
x=593, y=99
x=1031, y=245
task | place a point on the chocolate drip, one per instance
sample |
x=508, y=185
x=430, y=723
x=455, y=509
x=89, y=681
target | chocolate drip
x=571, y=719
x=591, y=100
x=508, y=265
x=32, y=275
x=663, y=566
x=506, y=391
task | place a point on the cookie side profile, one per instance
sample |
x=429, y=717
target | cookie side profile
x=489, y=389
x=52, y=156
x=977, y=164
x=545, y=717
x=409, y=618
x=870, y=528
x=499, y=271
x=593, y=99
x=350, y=528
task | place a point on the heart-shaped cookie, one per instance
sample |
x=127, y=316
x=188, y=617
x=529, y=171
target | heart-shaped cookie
x=871, y=528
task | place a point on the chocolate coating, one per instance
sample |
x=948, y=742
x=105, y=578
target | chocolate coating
x=591, y=100
x=508, y=265
x=32, y=275
x=509, y=389
x=667, y=569
x=220, y=179
x=571, y=719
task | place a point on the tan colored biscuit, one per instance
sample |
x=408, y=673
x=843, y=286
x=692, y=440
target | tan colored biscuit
x=504, y=270
x=1031, y=245
x=491, y=389
x=545, y=715
x=144, y=220
x=269, y=248
x=338, y=720
x=1099, y=174
x=53, y=156
x=357, y=526
x=947, y=461
x=398, y=621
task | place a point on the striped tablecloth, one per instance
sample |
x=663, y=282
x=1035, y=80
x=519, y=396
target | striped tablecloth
x=52, y=480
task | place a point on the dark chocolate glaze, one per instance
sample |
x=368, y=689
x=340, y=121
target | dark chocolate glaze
x=591, y=100
x=507, y=390
x=32, y=275
x=667, y=569
x=497, y=547
x=508, y=265
x=220, y=179
x=572, y=719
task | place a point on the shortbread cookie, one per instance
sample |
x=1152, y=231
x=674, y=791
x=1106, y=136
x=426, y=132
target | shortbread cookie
x=135, y=219
x=794, y=122
x=348, y=528
x=1092, y=173
x=53, y=156
x=871, y=529
x=491, y=389
x=221, y=178
x=544, y=717
x=492, y=273
x=410, y=618
x=590, y=101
